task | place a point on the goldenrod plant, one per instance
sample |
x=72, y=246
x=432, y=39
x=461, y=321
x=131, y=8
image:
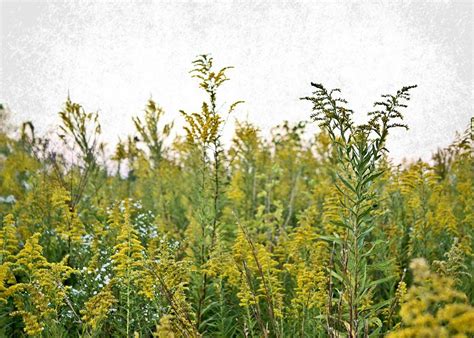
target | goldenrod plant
x=149, y=132
x=203, y=133
x=174, y=233
x=353, y=279
x=432, y=307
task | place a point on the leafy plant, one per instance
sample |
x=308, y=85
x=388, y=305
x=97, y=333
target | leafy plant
x=358, y=150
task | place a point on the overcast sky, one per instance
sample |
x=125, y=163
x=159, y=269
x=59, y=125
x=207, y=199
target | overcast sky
x=111, y=56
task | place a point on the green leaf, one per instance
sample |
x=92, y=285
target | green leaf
x=346, y=183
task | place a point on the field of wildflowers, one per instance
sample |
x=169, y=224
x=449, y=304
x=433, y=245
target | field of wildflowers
x=286, y=236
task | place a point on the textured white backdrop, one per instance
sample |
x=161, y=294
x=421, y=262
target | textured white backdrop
x=112, y=55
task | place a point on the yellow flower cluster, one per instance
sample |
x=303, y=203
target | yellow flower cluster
x=172, y=277
x=256, y=274
x=97, y=308
x=202, y=127
x=40, y=293
x=165, y=329
x=8, y=239
x=8, y=249
x=67, y=223
x=129, y=260
x=306, y=260
x=432, y=307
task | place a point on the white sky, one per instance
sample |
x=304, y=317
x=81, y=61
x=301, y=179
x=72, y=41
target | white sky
x=112, y=56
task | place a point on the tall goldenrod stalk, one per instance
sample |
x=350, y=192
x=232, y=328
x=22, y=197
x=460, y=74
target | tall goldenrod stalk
x=357, y=149
x=204, y=131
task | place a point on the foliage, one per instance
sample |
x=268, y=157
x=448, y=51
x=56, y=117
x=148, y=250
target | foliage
x=285, y=235
x=358, y=149
x=433, y=307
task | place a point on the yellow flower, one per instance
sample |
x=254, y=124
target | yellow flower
x=97, y=308
x=39, y=298
x=433, y=308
